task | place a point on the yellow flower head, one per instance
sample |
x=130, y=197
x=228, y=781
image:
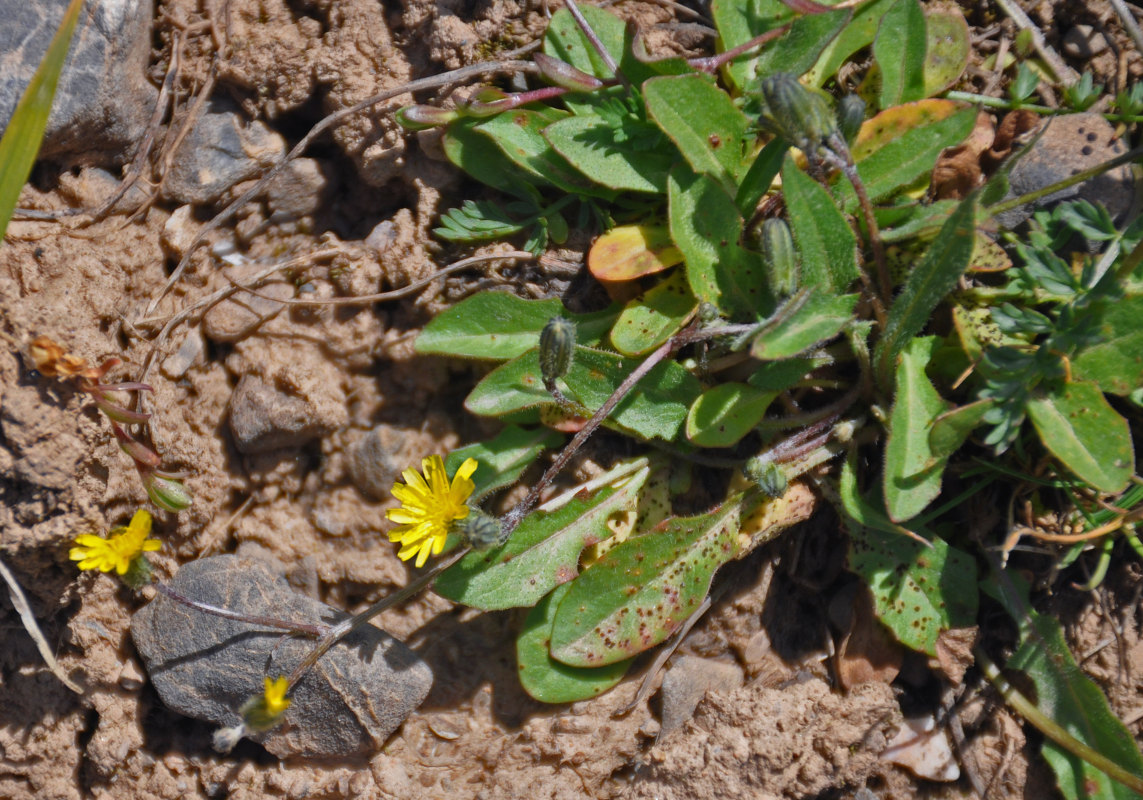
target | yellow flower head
x=262, y=712
x=429, y=506
x=120, y=550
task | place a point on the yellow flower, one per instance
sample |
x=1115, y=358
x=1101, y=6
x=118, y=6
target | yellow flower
x=120, y=550
x=429, y=506
x=262, y=712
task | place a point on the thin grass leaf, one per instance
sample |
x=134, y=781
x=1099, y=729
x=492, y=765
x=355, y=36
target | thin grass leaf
x=25, y=131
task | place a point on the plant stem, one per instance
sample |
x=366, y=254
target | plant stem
x=1071, y=180
x=1050, y=728
x=712, y=63
x=253, y=619
x=333, y=634
x=521, y=509
x=1010, y=105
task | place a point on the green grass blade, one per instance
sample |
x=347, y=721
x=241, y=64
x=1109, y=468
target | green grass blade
x=25, y=131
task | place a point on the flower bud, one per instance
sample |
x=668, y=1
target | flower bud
x=565, y=75
x=766, y=475
x=780, y=257
x=557, y=348
x=481, y=530
x=167, y=493
x=799, y=115
x=420, y=118
x=487, y=102
x=850, y=115
x=144, y=457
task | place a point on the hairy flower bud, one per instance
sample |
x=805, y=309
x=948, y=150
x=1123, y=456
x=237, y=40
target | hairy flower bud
x=481, y=530
x=850, y=115
x=766, y=475
x=801, y=116
x=557, y=348
x=781, y=258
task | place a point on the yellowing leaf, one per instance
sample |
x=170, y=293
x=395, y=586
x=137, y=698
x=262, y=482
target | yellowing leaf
x=632, y=251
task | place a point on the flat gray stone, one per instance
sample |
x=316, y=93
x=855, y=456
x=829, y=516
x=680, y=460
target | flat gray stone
x=301, y=188
x=206, y=667
x=222, y=149
x=687, y=682
x=377, y=457
x=103, y=101
x=241, y=314
x=263, y=418
x=1071, y=144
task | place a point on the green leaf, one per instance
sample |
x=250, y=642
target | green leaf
x=912, y=471
x=807, y=319
x=25, y=131
x=510, y=387
x=504, y=458
x=777, y=376
x=565, y=41
x=760, y=177
x=899, y=50
x=546, y=679
x=918, y=591
x=826, y=242
x=947, y=48
x=542, y=552
x=1115, y=364
x=724, y=414
x=1079, y=427
x=702, y=121
x=706, y=227
x=478, y=155
x=594, y=148
x=644, y=589
x=738, y=23
x=934, y=277
x=798, y=49
x=476, y=221
x=499, y=326
x=856, y=35
x=654, y=316
x=519, y=135
x=1067, y=696
x=901, y=161
x=859, y=511
x=952, y=428
x=655, y=407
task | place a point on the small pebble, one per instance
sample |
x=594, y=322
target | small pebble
x=1084, y=41
x=263, y=418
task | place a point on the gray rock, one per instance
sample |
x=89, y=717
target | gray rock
x=222, y=149
x=239, y=315
x=301, y=188
x=206, y=667
x=263, y=418
x=103, y=101
x=94, y=186
x=1071, y=144
x=1084, y=41
x=687, y=682
x=377, y=457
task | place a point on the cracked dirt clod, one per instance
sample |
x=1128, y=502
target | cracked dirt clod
x=206, y=667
